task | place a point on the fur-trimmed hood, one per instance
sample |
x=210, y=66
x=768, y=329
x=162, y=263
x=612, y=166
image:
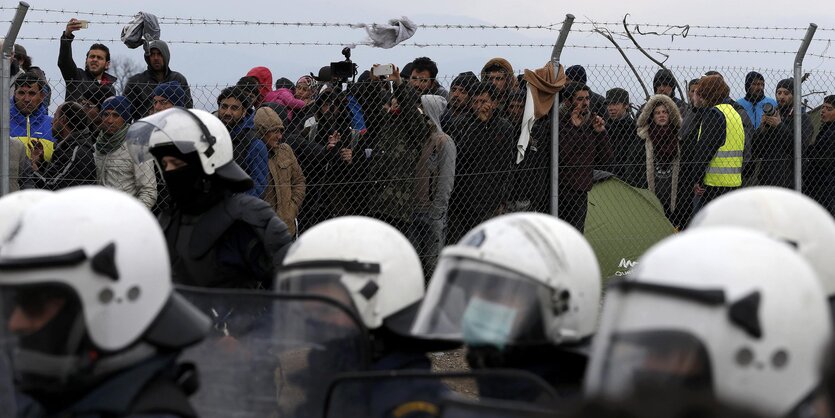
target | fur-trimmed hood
x=645, y=117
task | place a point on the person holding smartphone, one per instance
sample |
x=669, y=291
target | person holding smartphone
x=584, y=145
x=79, y=80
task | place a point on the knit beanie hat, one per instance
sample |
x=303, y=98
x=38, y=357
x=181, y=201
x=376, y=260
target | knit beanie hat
x=172, y=92
x=467, y=80
x=786, y=83
x=120, y=104
x=751, y=77
x=577, y=74
x=267, y=120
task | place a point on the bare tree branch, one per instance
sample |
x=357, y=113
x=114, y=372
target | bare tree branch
x=122, y=68
x=651, y=58
x=608, y=35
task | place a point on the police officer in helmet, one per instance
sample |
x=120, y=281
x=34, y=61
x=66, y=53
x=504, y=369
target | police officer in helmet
x=89, y=314
x=217, y=235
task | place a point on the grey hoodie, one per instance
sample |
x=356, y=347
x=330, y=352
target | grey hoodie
x=436, y=166
x=140, y=87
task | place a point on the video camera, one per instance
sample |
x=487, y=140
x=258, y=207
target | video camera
x=341, y=71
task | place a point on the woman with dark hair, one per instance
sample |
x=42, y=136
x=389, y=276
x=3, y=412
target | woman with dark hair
x=658, y=125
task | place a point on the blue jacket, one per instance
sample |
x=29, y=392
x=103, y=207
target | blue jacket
x=256, y=160
x=755, y=110
x=37, y=126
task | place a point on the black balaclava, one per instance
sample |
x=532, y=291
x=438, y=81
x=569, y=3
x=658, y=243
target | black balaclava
x=192, y=190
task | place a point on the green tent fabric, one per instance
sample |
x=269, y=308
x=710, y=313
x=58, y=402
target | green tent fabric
x=622, y=223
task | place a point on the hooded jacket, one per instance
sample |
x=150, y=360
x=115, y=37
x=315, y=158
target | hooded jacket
x=78, y=80
x=250, y=153
x=265, y=80
x=512, y=84
x=35, y=127
x=140, y=87
x=286, y=188
x=435, y=172
x=643, y=125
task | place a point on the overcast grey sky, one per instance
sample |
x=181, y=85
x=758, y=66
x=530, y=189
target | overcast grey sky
x=219, y=64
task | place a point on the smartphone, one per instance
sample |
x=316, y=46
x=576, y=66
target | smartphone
x=84, y=24
x=383, y=70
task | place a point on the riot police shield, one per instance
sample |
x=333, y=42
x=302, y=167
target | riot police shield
x=272, y=355
x=456, y=407
x=419, y=393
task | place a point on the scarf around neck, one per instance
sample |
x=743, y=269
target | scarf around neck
x=105, y=144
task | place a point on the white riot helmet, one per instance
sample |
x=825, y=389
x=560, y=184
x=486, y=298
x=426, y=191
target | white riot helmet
x=188, y=131
x=15, y=204
x=102, y=254
x=361, y=262
x=722, y=310
x=784, y=215
x=522, y=278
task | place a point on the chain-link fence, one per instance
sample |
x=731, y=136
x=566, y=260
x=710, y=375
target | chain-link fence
x=435, y=157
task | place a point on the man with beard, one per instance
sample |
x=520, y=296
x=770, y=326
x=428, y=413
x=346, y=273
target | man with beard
x=114, y=167
x=235, y=111
x=93, y=74
x=499, y=73
x=459, y=98
x=755, y=100
x=140, y=88
x=584, y=145
x=73, y=161
x=774, y=140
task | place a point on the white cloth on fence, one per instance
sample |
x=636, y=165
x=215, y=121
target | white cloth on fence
x=388, y=35
x=527, y=124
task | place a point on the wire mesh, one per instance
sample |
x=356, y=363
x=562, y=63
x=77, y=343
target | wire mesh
x=436, y=156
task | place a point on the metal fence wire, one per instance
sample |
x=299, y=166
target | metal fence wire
x=435, y=157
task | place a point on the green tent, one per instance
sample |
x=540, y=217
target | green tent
x=622, y=223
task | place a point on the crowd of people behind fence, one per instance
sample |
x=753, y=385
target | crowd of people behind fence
x=397, y=146
x=101, y=299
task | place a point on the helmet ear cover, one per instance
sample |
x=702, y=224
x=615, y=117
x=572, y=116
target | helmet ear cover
x=207, y=136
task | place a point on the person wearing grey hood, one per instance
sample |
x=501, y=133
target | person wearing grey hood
x=435, y=176
x=140, y=87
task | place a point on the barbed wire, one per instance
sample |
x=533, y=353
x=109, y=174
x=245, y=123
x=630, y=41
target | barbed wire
x=452, y=45
x=551, y=26
x=163, y=20
x=666, y=25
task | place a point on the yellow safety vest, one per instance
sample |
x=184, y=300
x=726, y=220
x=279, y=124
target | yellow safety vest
x=725, y=169
x=48, y=146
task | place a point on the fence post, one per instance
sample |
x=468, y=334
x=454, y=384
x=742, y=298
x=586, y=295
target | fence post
x=5, y=77
x=555, y=117
x=798, y=96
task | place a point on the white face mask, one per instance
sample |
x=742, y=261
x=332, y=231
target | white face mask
x=487, y=324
